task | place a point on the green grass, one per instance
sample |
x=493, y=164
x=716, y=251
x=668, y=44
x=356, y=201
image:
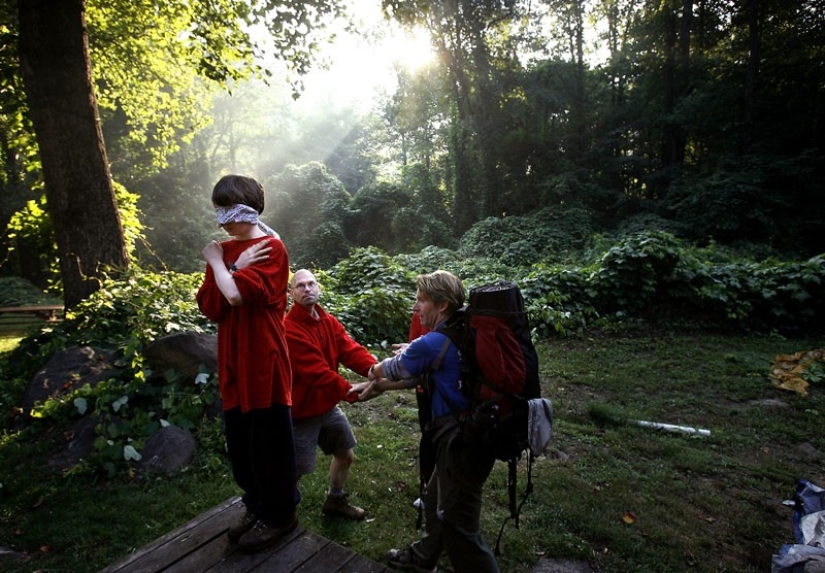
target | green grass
x=622, y=497
x=9, y=342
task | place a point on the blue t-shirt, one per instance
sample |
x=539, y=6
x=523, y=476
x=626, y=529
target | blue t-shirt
x=418, y=359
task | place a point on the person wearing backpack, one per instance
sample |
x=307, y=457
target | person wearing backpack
x=453, y=496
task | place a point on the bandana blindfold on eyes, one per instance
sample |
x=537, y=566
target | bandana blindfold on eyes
x=240, y=213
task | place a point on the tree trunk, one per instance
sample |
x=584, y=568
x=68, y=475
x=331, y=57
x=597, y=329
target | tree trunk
x=449, y=30
x=676, y=87
x=751, y=88
x=55, y=66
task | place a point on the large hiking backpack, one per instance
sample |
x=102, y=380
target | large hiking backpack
x=500, y=378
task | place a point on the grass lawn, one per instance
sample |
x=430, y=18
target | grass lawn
x=620, y=496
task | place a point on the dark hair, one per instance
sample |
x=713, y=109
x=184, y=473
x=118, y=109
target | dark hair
x=238, y=189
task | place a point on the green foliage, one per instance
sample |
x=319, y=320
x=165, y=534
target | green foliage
x=310, y=209
x=138, y=309
x=123, y=316
x=731, y=204
x=560, y=300
x=33, y=226
x=146, y=71
x=645, y=277
x=15, y=291
x=631, y=274
x=30, y=230
x=371, y=295
x=128, y=411
x=369, y=268
x=430, y=258
x=815, y=372
x=763, y=295
x=553, y=233
x=374, y=207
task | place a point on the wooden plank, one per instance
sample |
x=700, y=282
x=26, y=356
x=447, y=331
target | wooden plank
x=152, y=557
x=286, y=556
x=201, y=545
x=218, y=549
x=220, y=552
x=25, y=318
x=18, y=320
x=360, y=564
x=329, y=560
x=47, y=311
x=33, y=308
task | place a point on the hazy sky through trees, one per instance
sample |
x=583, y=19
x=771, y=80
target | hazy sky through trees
x=361, y=66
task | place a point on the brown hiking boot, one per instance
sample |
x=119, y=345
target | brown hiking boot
x=339, y=506
x=241, y=526
x=262, y=535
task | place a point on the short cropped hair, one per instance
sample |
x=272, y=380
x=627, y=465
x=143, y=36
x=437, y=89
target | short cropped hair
x=440, y=286
x=238, y=189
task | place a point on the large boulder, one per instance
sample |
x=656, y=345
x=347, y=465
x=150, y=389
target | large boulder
x=66, y=371
x=184, y=353
x=168, y=450
x=80, y=439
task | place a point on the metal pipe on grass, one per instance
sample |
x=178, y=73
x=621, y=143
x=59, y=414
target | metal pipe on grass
x=673, y=428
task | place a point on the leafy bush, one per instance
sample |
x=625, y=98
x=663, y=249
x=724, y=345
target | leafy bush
x=634, y=272
x=122, y=317
x=32, y=225
x=138, y=309
x=552, y=234
x=559, y=301
x=15, y=291
x=761, y=296
x=372, y=296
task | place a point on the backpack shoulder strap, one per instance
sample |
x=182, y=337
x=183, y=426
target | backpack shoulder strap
x=442, y=352
x=433, y=387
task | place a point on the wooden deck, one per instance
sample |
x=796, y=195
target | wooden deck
x=201, y=545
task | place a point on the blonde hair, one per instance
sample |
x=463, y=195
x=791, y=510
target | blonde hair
x=442, y=286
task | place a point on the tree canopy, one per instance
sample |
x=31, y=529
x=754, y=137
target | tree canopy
x=700, y=118
x=146, y=58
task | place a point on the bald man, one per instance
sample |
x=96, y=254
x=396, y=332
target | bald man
x=318, y=344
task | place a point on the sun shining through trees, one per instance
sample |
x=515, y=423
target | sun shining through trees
x=355, y=75
x=360, y=69
x=362, y=64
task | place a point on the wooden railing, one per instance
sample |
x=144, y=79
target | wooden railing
x=13, y=317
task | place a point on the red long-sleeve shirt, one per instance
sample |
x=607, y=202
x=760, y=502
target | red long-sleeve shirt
x=253, y=359
x=316, y=348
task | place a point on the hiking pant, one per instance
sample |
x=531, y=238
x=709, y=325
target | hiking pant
x=452, y=508
x=262, y=452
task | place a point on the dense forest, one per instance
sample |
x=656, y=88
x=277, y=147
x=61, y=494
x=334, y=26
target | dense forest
x=596, y=117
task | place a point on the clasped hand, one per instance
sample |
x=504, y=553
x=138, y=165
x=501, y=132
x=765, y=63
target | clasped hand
x=367, y=390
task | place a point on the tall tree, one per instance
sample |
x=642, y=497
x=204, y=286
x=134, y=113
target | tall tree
x=473, y=41
x=53, y=51
x=54, y=61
